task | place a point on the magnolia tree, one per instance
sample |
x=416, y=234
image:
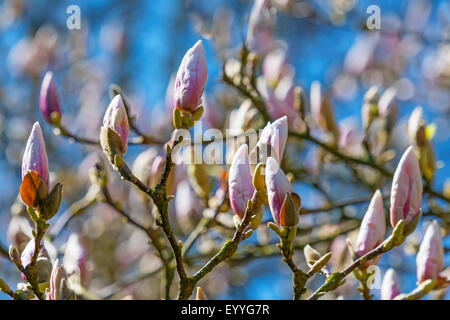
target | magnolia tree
x=203, y=193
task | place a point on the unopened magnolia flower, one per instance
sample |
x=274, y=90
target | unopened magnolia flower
x=387, y=107
x=240, y=181
x=59, y=283
x=191, y=79
x=114, y=132
x=430, y=258
x=75, y=258
x=420, y=136
x=284, y=203
x=416, y=127
x=261, y=26
x=321, y=109
x=406, y=192
x=142, y=166
x=48, y=98
x=369, y=110
x=373, y=227
x=35, y=174
x=276, y=66
x=389, y=287
x=271, y=142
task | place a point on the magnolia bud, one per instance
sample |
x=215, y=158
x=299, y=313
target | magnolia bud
x=283, y=202
x=75, y=259
x=114, y=132
x=240, y=184
x=373, y=228
x=59, y=282
x=430, y=258
x=389, y=287
x=271, y=142
x=261, y=27
x=49, y=99
x=191, y=79
x=321, y=110
x=406, y=192
x=35, y=174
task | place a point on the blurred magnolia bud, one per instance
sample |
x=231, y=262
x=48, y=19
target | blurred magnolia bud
x=311, y=255
x=373, y=228
x=6, y=289
x=430, y=258
x=49, y=99
x=142, y=166
x=276, y=66
x=240, y=184
x=59, y=283
x=406, y=192
x=387, y=107
x=191, y=79
x=75, y=259
x=321, y=110
x=200, y=179
x=271, y=143
x=114, y=132
x=35, y=174
x=389, y=287
x=19, y=232
x=369, y=109
x=186, y=205
x=420, y=136
x=261, y=27
x=284, y=203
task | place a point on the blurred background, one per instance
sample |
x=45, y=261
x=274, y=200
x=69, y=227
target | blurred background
x=139, y=45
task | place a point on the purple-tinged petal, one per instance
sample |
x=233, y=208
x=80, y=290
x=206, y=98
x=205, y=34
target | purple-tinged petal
x=389, y=287
x=48, y=98
x=35, y=155
x=191, y=78
x=406, y=191
x=373, y=226
x=278, y=186
x=240, y=181
x=430, y=258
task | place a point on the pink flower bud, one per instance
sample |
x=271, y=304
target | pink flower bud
x=142, y=166
x=271, y=142
x=240, y=181
x=321, y=109
x=19, y=232
x=278, y=186
x=116, y=119
x=35, y=155
x=389, y=287
x=430, y=258
x=373, y=227
x=261, y=26
x=406, y=191
x=48, y=98
x=75, y=258
x=59, y=289
x=387, y=106
x=275, y=66
x=191, y=78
